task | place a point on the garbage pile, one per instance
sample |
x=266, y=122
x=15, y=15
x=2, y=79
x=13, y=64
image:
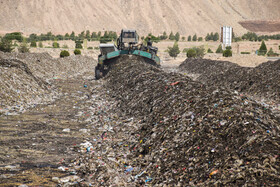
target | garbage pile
x=26, y=78
x=44, y=66
x=262, y=81
x=191, y=133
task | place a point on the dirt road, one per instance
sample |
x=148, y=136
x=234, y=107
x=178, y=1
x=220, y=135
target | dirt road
x=34, y=144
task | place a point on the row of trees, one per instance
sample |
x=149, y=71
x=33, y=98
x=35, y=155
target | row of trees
x=197, y=52
x=251, y=36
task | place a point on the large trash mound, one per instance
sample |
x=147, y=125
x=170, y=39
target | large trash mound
x=44, y=66
x=262, y=81
x=192, y=134
x=25, y=78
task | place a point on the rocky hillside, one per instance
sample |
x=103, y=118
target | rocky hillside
x=156, y=16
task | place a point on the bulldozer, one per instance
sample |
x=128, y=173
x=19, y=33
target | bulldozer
x=127, y=44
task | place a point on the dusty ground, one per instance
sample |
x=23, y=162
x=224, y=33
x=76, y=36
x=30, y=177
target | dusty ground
x=251, y=60
x=33, y=145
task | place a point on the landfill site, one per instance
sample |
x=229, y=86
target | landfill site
x=202, y=123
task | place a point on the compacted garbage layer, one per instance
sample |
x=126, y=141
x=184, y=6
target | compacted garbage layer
x=19, y=87
x=262, y=81
x=26, y=78
x=44, y=66
x=192, y=134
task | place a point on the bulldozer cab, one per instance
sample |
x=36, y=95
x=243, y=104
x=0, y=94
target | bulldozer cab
x=107, y=48
x=127, y=39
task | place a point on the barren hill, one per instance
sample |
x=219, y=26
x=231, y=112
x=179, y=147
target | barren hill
x=156, y=16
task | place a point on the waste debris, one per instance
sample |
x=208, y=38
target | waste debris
x=262, y=81
x=192, y=133
x=26, y=78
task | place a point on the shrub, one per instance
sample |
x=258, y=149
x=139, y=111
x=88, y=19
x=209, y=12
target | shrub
x=64, y=53
x=271, y=53
x=199, y=52
x=227, y=53
x=23, y=47
x=33, y=44
x=200, y=39
x=228, y=47
x=77, y=51
x=65, y=46
x=174, y=51
x=96, y=48
x=189, y=38
x=6, y=45
x=219, y=49
x=245, y=53
x=40, y=44
x=209, y=50
x=191, y=53
x=185, y=50
x=263, y=49
x=55, y=45
x=90, y=48
x=78, y=44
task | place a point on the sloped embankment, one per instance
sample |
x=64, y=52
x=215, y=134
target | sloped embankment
x=194, y=134
x=262, y=81
x=26, y=79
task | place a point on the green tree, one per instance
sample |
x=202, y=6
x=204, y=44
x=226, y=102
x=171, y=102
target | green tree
x=66, y=36
x=88, y=35
x=163, y=36
x=200, y=39
x=183, y=38
x=194, y=38
x=99, y=34
x=72, y=35
x=6, y=45
x=64, y=53
x=263, y=49
x=207, y=38
x=189, y=38
x=219, y=49
x=191, y=53
x=174, y=51
x=177, y=36
x=171, y=36
x=94, y=36
x=216, y=37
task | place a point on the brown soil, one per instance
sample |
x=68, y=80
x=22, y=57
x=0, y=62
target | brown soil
x=262, y=26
